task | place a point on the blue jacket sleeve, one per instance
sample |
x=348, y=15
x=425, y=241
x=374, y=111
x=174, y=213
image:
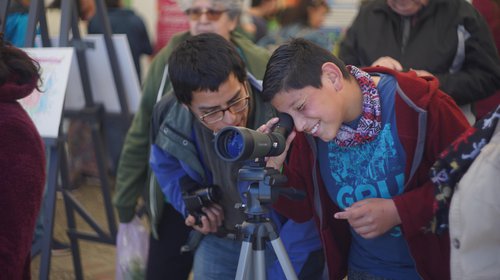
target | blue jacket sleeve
x=168, y=171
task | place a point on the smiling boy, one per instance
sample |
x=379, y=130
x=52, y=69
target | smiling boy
x=364, y=144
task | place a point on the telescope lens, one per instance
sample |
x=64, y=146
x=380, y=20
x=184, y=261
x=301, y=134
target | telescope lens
x=233, y=144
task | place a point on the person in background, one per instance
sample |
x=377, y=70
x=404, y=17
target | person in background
x=15, y=33
x=16, y=24
x=261, y=11
x=490, y=9
x=22, y=163
x=466, y=199
x=301, y=21
x=169, y=232
x=86, y=8
x=365, y=141
x=125, y=21
x=448, y=39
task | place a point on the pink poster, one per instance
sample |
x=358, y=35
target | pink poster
x=171, y=19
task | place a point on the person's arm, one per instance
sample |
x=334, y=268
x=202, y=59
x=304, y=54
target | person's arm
x=170, y=175
x=479, y=75
x=445, y=123
x=283, y=205
x=168, y=171
x=133, y=165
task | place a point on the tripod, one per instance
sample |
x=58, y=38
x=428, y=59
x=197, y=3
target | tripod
x=257, y=228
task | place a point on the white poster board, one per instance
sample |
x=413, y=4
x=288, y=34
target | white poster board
x=101, y=77
x=45, y=107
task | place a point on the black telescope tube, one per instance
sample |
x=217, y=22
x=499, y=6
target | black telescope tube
x=238, y=143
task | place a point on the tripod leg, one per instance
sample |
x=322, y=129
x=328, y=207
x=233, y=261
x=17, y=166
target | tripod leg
x=283, y=258
x=259, y=263
x=245, y=260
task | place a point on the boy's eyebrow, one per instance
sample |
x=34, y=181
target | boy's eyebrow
x=211, y=108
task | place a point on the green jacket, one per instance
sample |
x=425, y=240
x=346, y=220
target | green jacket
x=133, y=169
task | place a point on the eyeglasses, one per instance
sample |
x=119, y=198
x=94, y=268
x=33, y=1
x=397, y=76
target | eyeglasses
x=212, y=15
x=235, y=107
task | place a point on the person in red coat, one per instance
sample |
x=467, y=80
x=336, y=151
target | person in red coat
x=22, y=163
x=364, y=143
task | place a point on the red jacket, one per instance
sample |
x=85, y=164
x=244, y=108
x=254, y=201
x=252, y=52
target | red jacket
x=22, y=180
x=427, y=121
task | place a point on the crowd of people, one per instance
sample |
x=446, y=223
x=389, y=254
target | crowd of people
x=391, y=145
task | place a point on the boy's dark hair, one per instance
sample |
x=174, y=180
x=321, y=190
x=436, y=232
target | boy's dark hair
x=295, y=65
x=203, y=62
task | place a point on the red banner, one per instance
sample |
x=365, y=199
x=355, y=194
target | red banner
x=171, y=19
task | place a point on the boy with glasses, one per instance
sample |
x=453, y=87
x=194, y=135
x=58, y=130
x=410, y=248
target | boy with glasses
x=210, y=82
x=134, y=178
x=169, y=232
x=236, y=106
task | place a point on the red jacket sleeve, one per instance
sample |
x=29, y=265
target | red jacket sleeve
x=445, y=122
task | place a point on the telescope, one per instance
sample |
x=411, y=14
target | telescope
x=263, y=184
x=234, y=143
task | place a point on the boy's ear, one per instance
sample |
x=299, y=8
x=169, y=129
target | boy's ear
x=333, y=74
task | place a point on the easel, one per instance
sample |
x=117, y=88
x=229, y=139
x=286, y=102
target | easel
x=93, y=114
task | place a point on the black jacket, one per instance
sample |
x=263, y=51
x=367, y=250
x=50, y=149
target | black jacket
x=468, y=69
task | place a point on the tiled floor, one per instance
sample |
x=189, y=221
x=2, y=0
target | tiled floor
x=98, y=259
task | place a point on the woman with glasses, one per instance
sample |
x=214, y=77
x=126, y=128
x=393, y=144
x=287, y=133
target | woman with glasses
x=169, y=233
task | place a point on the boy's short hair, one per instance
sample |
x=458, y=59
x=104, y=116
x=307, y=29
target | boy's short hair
x=233, y=7
x=295, y=65
x=203, y=62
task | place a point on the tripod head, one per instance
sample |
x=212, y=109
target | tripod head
x=264, y=185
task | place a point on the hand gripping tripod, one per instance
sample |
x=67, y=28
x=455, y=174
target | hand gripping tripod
x=257, y=228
